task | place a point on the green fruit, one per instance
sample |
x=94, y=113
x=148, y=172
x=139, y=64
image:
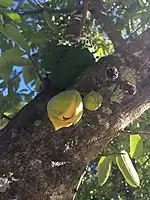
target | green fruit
x=92, y=101
x=127, y=169
x=103, y=169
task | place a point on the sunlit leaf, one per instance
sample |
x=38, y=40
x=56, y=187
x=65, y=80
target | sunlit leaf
x=127, y=169
x=136, y=146
x=3, y=123
x=14, y=16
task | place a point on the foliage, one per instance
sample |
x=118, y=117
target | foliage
x=116, y=186
x=29, y=32
x=33, y=43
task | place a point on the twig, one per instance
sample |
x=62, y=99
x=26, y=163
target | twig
x=75, y=27
x=35, y=66
x=147, y=160
x=39, y=4
x=109, y=154
x=30, y=88
x=49, y=10
x=125, y=132
x=99, y=13
x=79, y=183
x=85, y=9
x=4, y=116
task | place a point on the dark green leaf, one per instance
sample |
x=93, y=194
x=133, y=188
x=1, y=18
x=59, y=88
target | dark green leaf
x=6, y=2
x=146, y=146
x=49, y=21
x=14, y=34
x=29, y=74
x=9, y=58
x=66, y=63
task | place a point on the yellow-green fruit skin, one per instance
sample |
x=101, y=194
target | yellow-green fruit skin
x=92, y=101
x=127, y=169
x=65, y=109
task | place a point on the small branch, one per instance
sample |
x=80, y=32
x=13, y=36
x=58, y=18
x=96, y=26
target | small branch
x=109, y=154
x=49, y=10
x=98, y=12
x=125, y=132
x=39, y=4
x=75, y=27
x=4, y=116
x=79, y=183
x=30, y=88
x=144, y=163
x=35, y=66
x=85, y=9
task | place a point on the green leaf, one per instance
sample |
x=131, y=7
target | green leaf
x=13, y=52
x=3, y=123
x=141, y=3
x=66, y=63
x=14, y=16
x=127, y=169
x=9, y=58
x=29, y=74
x=49, y=21
x=146, y=146
x=12, y=33
x=15, y=109
x=103, y=169
x=6, y=2
x=136, y=146
x=1, y=19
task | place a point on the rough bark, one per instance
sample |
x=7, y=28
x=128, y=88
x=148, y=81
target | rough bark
x=43, y=164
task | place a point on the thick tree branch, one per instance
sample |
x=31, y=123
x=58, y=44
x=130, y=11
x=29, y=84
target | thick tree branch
x=126, y=132
x=141, y=44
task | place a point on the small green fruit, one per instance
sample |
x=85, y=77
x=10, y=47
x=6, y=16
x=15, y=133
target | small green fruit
x=92, y=101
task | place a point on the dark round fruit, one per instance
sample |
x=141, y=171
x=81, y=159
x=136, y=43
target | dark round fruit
x=129, y=88
x=112, y=73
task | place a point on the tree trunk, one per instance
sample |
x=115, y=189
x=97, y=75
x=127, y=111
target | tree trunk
x=38, y=163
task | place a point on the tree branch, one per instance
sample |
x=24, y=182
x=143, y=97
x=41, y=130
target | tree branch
x=29, y=150
x=126, y=132
x=4, y=116
x=39, y=4
x=98, y=12
x=50, y=11
x=75, y=27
